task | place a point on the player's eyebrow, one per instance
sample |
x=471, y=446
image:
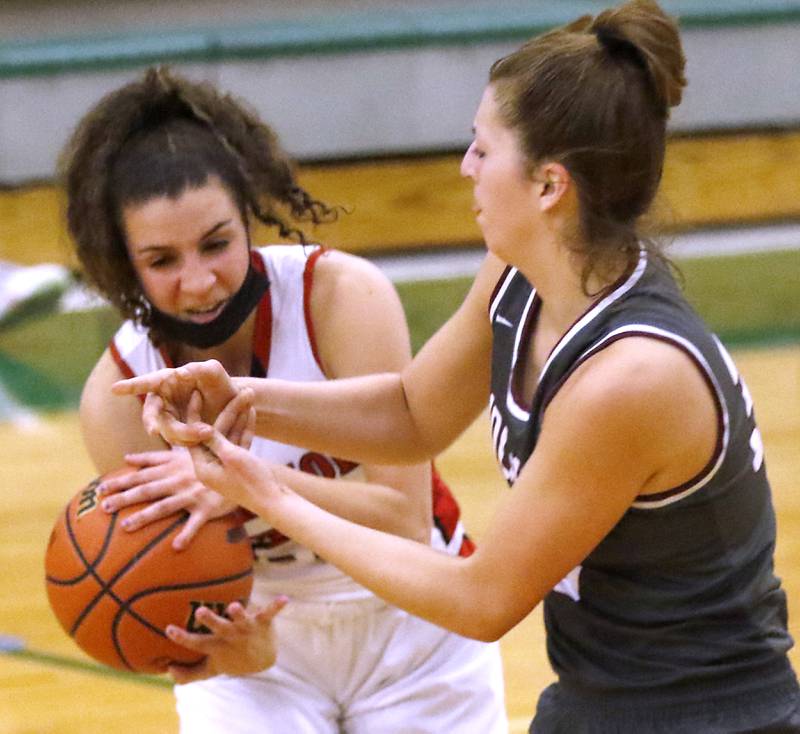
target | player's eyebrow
x=155, y=247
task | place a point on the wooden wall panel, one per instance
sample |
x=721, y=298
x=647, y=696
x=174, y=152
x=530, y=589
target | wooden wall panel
x=414, y=203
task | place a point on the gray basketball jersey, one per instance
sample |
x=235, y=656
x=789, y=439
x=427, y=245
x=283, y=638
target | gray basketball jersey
x=681, y=592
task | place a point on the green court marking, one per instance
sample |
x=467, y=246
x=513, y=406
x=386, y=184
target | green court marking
x=14, y=647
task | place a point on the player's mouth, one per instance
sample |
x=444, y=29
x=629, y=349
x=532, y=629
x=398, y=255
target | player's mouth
x=204, y=315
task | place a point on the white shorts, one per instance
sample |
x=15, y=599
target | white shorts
x=356, y=667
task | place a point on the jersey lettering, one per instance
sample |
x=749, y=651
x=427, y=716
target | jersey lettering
x=756, y=442
x=509, y=462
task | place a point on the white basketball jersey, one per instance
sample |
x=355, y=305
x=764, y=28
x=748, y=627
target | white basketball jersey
x=284, y=348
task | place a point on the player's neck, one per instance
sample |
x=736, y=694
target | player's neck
x=235, y=354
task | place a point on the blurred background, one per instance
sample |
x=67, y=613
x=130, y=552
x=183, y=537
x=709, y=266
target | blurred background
x=375, y=99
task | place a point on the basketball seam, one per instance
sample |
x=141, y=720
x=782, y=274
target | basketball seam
x=106, y=587
x=88, y=567
x=174, y=587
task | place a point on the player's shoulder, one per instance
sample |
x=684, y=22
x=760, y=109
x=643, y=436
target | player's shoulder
x=639, y=380
x=96, y=397
x=341, y=277
x=105, y=372
x=337, y=263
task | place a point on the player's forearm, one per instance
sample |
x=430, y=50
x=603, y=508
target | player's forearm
x=403, y=513
x=446, y=590
x=364, y=419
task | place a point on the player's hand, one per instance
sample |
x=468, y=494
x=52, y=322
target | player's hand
x=236, y=474
x=164, y=482
x=241, y=644
x=168, y=393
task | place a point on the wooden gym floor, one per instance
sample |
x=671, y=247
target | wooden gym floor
x=43, y=462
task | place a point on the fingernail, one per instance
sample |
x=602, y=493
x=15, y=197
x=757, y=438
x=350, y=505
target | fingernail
x=127, y=525
x=108, y=506
x=171, y=631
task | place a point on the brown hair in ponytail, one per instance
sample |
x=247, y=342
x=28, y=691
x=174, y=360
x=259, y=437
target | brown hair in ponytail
x=595, y=96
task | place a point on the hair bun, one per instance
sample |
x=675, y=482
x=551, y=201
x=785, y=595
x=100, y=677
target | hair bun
x=641, y=32
x=619, y=46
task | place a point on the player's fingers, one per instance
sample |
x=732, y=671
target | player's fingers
x=148, y=458
x=207, y=467
x=142, y=491
x=220, y=626
x=197, y=518
x=138, y=486
x=194, y=406
x=249, y=431
x=112, y=485
x=233, y=462
x=142, y=383
x=152, y=512
x=210, y=375
x=226, y=420
x=235, y=418
x=178, y=433
x=198, y=642
x=237, y=614
x=236, y=433
x=266, y=614
x=151, y=413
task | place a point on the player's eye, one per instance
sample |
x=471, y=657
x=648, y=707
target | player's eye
x=215, y=245
x=160, y=263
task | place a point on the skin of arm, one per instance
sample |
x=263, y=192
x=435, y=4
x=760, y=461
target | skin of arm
x=112, y=427
x=360, y=328
x=619, y=427
x=390, y=418
x=403, y=417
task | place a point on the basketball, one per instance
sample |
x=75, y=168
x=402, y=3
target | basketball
x=114, y=592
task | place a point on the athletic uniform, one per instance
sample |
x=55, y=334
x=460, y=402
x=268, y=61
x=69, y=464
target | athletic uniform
x=676, y=621
x=347, y=661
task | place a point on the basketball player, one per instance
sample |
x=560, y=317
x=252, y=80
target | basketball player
x=164, y=179
x=640, y=513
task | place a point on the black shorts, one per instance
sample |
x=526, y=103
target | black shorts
x=560, y=712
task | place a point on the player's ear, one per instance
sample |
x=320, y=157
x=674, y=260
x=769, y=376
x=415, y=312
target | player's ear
x=553, y=182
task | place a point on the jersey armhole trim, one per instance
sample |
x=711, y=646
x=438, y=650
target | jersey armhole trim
x=124, y=367
x=498, y=290
x=262, y=332
x=308, y=284
x=707, y=473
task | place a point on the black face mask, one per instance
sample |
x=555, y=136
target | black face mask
x=224, y=326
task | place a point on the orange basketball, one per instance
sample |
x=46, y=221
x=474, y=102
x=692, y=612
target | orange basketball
x=114, y=591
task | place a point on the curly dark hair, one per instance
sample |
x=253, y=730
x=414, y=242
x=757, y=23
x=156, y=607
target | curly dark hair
x=158, y=136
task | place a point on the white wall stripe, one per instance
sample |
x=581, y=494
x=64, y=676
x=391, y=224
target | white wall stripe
x=706, y=243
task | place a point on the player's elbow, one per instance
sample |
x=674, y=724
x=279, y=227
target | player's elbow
x=486, y=628
x=491, y=614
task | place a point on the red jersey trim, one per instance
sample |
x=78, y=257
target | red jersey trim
x=262, y=332
x=308, y=284
x=447, y=513
x=124, y=367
